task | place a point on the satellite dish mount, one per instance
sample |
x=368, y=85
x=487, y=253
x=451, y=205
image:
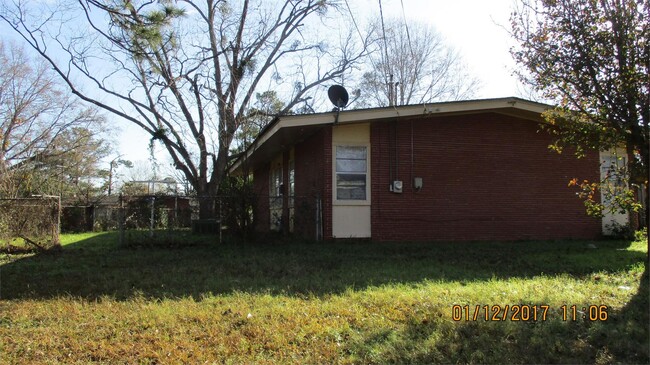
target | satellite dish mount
x=339, y=97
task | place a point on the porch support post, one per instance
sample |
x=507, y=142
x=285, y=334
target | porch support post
x=285, y=192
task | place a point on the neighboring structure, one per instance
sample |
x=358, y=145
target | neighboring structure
x=467, y=170
x=102, y=213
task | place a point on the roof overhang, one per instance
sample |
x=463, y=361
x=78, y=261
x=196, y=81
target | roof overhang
x=286, y=131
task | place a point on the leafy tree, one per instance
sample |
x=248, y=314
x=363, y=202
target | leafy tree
x=412, y=64
x=49, y=142
x=133, y=188
x=185, y=72
x=111, y=174
x=73, y=170
x=267, y=106
x=592, y=58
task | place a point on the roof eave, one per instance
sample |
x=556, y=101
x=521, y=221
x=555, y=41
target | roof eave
x=530, y=109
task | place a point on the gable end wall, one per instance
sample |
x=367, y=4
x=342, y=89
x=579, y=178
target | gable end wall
x=485, y=177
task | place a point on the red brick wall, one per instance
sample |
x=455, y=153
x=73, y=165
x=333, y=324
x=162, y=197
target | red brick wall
x=485, y=177
x=327, y=183
x=261, y=186
x=313, y=178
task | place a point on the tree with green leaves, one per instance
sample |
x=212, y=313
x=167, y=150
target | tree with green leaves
x=74, y=168
x=112, y=174
x=267, y=107
x=592, y=58
x=186, y=71
x=50, y=143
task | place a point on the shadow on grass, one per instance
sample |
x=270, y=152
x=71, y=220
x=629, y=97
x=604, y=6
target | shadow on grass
x=96, y=266
x=621, y=339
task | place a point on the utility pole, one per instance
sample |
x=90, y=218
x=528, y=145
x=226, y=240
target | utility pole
x=113, y=163
x=390, y=90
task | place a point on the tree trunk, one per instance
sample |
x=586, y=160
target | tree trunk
x=206, y=206
x=207, y=200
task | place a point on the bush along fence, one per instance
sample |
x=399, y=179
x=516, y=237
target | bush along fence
x=30, y=224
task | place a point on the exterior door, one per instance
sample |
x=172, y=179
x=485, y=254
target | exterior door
x=351, y=182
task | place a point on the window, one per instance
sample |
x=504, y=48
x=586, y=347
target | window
x=351, y=172
x=613, y=172
x=275, y=198
x=613, y=169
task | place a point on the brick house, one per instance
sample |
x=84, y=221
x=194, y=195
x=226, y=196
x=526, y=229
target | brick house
x=465, y=170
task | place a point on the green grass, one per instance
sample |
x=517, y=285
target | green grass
x=343, y=302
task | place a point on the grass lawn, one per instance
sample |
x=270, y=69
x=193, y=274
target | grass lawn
x=326, y=303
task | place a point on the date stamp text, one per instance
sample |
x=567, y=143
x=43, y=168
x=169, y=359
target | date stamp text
x=526, y=313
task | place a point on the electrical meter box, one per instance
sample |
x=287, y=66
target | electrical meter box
x=397, y=186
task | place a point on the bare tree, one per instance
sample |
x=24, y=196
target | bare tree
x=48, y=140
x=412, y=64
x=185, y=72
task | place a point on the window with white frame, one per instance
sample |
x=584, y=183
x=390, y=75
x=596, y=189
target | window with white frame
x=351, y=172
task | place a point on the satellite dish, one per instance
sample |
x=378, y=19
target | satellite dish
x=338, y=96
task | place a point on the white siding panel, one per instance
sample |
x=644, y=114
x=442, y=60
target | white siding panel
x=351, y=221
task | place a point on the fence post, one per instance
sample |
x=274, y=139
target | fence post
x=120, y=220
x=319, y=218
x=55, y=227
x=59, y=212
x=153, y=202
x=175, y=225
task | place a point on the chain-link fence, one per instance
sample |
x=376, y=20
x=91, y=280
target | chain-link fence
x=301, y=216
x=144, y=220
x=29, y=224
x=169, y=220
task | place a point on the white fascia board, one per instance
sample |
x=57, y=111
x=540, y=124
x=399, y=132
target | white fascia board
x=362, y=115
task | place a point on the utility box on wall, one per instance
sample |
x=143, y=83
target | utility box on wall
x=397, y=186
x=417, y=183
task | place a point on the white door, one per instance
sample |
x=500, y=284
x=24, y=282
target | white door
x=610, y=162
x=351, y=186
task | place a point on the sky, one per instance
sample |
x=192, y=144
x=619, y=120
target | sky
x=476, y=28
